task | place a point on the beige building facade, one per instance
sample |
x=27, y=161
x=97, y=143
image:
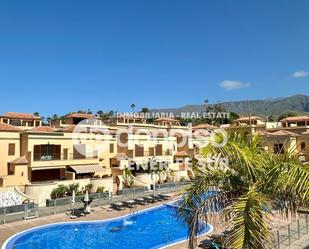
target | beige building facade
x=80, y=148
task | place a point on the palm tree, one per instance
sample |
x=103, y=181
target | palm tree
x=133, y=107
x=100, y=113
x=144, y=110
x=205, y=104
x=249, y=187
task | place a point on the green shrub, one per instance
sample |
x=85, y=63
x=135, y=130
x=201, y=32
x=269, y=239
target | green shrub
x=59, y=192
x=73, y=187
x=182, y=179
x=89, y=187
x=100, y=189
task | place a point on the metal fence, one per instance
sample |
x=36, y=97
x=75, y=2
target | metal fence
x=62, y=205
x=291, y=233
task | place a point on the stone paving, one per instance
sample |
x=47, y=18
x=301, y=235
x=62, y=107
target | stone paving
x=301, y=244
x=297, y=237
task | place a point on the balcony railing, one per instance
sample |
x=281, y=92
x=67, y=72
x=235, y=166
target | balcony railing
x=63, y=157
x=151, y=154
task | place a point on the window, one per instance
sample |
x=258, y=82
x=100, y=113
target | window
x=159, y=149
x=15, y=122
x=301, y=124
x=111, y=148
x=139, y=150
x=11, y=169
x=46, y=152
x=11, y=150
x=30, y=123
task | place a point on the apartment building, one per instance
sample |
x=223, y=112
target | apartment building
x=23, y=121
x=250, y=124
x=80, y=148
x=11, y=163
x=141, y=145
x=289, y=135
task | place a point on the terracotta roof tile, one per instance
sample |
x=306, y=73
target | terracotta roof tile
x=7, y=127
x=297, y=118
x=262, y=133
x=305, y=133
x=80, y=115
x=167, y=119
x=67, y=129
x=20, y=115
x=246, y=118
x=20, y=160
x=204, y=126
x=283, y=133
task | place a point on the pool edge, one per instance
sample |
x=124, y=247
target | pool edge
x=5, y=244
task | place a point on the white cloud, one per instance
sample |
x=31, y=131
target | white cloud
x=300, y=74
x=232, y=85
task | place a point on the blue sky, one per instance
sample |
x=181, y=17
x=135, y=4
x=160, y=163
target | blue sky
x=61, y=56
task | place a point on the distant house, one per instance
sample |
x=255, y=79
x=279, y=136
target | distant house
x=250, y=120
x=22, y=120
x=249, y=124
x=298, y=121
x=167, y=121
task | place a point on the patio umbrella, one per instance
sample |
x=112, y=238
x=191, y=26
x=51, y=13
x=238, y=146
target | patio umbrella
x=153, y=176
x=73, y=201
x=86, y=199
x=73, y=197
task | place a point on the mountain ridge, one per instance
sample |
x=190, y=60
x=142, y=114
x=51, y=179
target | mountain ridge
x=275, y=106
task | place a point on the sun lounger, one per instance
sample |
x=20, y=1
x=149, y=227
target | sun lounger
x=129, y=203
x=165, y=196
x=157, y=198
x=150, y=199
x=118, y=206
x=140, y=201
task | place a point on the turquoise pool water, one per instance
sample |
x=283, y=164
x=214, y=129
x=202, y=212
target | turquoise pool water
x=152, y=228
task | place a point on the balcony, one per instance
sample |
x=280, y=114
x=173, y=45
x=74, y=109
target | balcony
x=62, y=159
x=57, y=157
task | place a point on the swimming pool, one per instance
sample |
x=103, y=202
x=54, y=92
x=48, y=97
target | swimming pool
x=152, y=228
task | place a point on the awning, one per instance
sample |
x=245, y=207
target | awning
x=89, y=168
